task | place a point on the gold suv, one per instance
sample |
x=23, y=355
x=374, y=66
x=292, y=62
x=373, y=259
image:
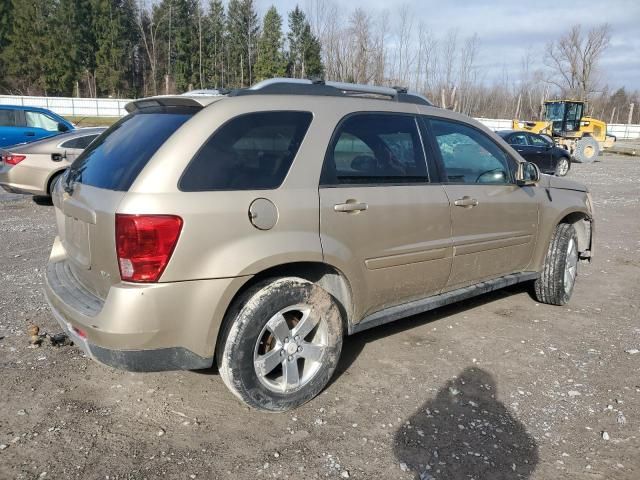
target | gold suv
x=256, y=230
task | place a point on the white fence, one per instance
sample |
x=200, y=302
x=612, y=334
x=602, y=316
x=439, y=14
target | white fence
x=114, y=107
x=80, y=107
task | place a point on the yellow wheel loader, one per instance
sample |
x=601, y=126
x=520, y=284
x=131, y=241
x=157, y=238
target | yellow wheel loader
x=584, y=137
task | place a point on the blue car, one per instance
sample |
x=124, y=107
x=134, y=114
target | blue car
x=25, y=124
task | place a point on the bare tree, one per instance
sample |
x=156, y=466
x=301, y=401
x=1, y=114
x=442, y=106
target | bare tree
x=149, y=35
x=573, y=59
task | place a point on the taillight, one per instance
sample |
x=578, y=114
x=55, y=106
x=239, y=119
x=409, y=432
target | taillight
x=13, y=159
x=144, y=244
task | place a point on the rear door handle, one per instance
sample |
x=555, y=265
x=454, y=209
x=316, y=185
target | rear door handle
x=351, y=206
x=466, y=202
x=30, y=134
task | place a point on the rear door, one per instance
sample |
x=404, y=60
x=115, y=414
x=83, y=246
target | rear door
x=381, y=220
x=494, y=221
x=520, y=142
x=544, y=152
x=10, y=130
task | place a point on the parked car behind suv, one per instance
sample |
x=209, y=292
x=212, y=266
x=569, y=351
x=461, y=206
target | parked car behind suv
x=255, y=230
x=20, y=124
x=34, y=167
x=539, y=149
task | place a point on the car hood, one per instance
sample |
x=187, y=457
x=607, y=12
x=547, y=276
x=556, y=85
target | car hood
x=551, y=181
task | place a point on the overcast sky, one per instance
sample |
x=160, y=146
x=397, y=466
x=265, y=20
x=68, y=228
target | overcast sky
x=508, y=28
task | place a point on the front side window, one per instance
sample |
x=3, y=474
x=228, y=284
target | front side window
x=374, y=149
x=250, y=152
x=470, y=156
x=7, y=118
x=537, y=141
x=40, y=120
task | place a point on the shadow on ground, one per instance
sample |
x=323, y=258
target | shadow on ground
x=465, y=433
x=353, y=345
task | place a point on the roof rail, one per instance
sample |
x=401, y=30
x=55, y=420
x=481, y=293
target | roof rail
x=299, y=86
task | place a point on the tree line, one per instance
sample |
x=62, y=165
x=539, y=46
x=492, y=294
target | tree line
x=135, y=48
x=125, y=48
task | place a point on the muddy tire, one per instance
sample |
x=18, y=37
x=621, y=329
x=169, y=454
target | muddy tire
x=587, y=150
x=563, y=166
x=280, y=344
x=558, y=277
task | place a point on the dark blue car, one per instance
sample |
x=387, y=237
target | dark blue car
x=25, y=124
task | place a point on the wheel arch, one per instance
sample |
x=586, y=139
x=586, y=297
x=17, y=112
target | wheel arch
x=583, y=224
x=52, y=176
x=325, y=275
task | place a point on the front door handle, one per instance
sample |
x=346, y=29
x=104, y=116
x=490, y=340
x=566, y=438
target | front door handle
x=30, y=134
x=466, y=202
x=351, y=206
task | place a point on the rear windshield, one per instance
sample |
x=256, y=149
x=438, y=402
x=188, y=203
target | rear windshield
x=116, y=158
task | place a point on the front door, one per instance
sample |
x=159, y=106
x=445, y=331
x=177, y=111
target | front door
x=494, y=221
x=381, y=221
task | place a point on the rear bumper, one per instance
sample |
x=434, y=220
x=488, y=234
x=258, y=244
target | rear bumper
x=140, y=327
x=172, y=358
x=19, y=180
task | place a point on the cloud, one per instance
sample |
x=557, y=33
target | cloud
x=507, y=30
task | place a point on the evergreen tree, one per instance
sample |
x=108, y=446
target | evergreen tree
x=61, y=57
x=115, y=35
x=304, y=47
x=25, y=55
x=214, y=41
x=271, y=61
x=85, y=44
x=185, y=52
x=312, y=54
x=242, y=31
x=6, y=9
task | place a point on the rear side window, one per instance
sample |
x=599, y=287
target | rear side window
x=375, y=149
x=115, y=159
x=250, y=152
x=518, y=139
x=7, y=118
x=80, y=142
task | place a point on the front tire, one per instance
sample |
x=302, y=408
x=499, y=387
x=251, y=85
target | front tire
x=587, y=150
x=558, y=277
x=280, y=344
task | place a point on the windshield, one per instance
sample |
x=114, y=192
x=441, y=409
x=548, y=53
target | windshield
x=554, y=111
x=117, y=156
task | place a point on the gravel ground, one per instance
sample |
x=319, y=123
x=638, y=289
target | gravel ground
x=498, y=387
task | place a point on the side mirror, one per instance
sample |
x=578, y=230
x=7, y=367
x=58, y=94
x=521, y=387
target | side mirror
x=62, y=127
x=527, y=174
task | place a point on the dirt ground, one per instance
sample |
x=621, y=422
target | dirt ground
x=499, y=387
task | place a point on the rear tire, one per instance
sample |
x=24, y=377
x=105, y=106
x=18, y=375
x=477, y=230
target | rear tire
x=558, y=277
x=52, y=182
x=280, y=344
x=587, y=150
x=563, y=166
